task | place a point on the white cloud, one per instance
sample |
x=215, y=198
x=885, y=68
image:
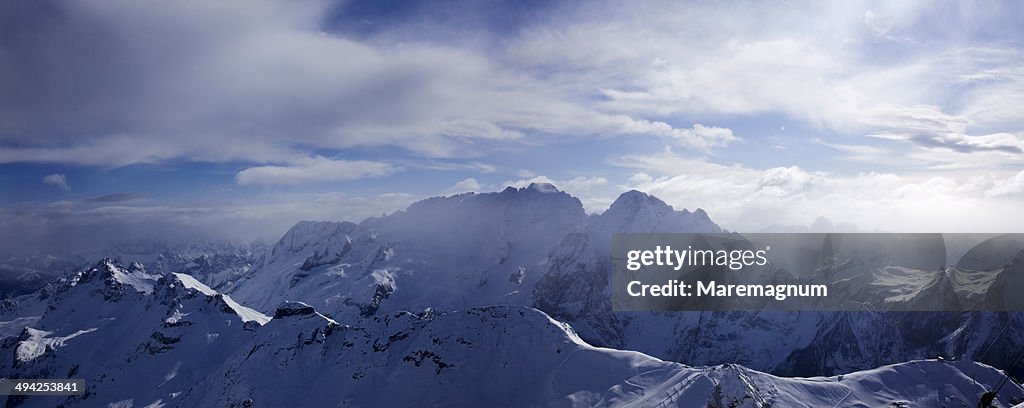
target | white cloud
x=786, y=180
x=707, y=135
x=876, y=25
x=465, y=186
x=314, y=170
x=959, y=142
x=821, y=64
x=1012, y=186
x=698, y=137
x=584, y=184
x=473, y=166
x=864, y=153
x=579, y=184
x=524, y=173
x=57, y=180
x=213, y=89
x=263, y=83
x=583, y=188
x=747, y=199
x=883, y=28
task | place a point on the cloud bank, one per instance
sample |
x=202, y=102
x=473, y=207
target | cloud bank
x=898, y=116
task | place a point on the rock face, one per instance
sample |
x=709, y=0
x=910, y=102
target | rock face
x=142, y=339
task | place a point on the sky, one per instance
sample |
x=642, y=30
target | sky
x=238, y=118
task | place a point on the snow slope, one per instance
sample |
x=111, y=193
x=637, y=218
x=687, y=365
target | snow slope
x=124, y=331
x=181, y=344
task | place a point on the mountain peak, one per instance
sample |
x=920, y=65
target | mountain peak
x=116, y=277
x=310, y=233
x=633, y=200
x=699, y=212
x=636, y=211
x=543, y=188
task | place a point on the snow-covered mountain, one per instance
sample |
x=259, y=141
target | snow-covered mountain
x=536, y=247
x=405, y=301
x=151, y=339
x=446, y=253
x=451, y=252
x=25, y=272
x=125, y=330
x=218, y=263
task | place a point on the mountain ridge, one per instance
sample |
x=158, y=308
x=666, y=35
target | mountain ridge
x=171, y=346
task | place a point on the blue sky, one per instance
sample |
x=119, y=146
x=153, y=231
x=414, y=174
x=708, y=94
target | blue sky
x=240, y=118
